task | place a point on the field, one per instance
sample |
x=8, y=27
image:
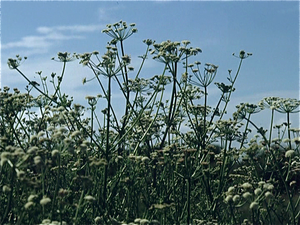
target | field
x=169, y=159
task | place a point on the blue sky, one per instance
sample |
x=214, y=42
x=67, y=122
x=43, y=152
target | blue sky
x=269, y=30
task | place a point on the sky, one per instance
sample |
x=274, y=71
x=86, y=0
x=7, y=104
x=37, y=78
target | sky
x=269, y=30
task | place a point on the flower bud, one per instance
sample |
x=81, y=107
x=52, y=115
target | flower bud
x=254, y=205
x=45, y=200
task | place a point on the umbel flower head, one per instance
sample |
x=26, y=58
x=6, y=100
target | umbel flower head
x=169, y=51
x=243, y=54
x=245, y=108
x=282, y=105
x=107, y=66
x=119, y=31
x=206, y=79
x=15, y=63
x=64, y=57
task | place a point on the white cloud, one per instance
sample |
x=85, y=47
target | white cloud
x=48, y=36
x=72, y=28
x=28, y=42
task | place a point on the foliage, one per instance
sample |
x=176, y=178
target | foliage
x=168, y=160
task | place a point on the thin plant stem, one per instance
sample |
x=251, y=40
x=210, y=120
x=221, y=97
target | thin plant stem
x=107, y=149
x=289, y=132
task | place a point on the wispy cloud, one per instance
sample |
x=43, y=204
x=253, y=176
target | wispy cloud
x=48, y=36
x=73, y=28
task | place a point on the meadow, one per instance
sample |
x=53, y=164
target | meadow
x=169, y=159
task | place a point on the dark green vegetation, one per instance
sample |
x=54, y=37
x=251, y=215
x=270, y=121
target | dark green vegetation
x=170, y=159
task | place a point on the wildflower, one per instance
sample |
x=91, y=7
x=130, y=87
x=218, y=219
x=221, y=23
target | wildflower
x=243, y=55
x=231, y=189
x=144, y=221
x=20, y=174
x=32, y=150
x=137, y=220
x=31, y=198
x=206, y=79
x=247, y=195
x=14, y=63
x=288, y=105
x=4, y=157
x=145, y=159
x=289, y=153
x=37, y=160
x=254, y=205
x=268, y=187
x=63, y=192
x=75, y=133
x=6, y=189
x=296, y=140
x=131, y=156
x=89, y=198
x=275, y=140
x=246, y=108
x=46, y=221
x=286, y=140
x=236, y=198
x=45, y=200
x=28, y=205
x=138, y=158
x=67, y=141
x=269, y=102
x=224, y=88
x=50, y=128
x=126, y=59
x=118, y=158
x=148, y=42
x=257, y=191
x=228, y=199
x=98, y=220
x=60, y=109
x=63, y=130
x=120, y=31
x=64, y=57
x=55, y=153
x=268, y=195
x=185, y=42
x=33, y=138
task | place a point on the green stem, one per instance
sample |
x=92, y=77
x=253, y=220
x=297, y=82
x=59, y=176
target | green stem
x=153, y=120
x=107, y=149
x=271, y=127
x=56, y=189
x=60, y=79
x=204, y=118
x=9, y=201
x=78, y=207
x=236, y=75
x=245, y=132
x=289, y=132
x=188, y=200
x=92, y=121
x=171, y=109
